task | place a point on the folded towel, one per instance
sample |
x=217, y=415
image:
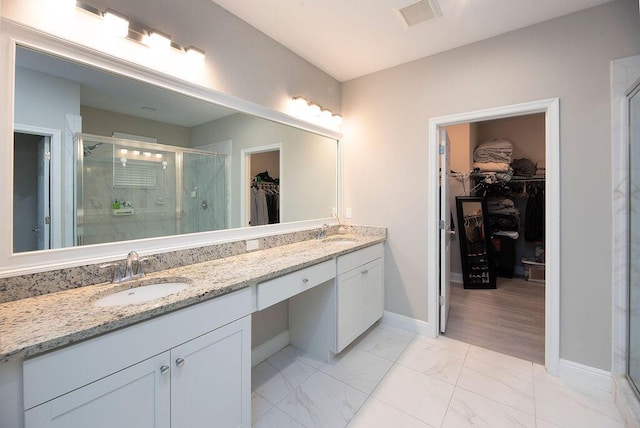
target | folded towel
x=491, y=166
x=496, y=150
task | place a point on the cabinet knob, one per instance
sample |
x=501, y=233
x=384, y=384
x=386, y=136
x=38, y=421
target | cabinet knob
x=305, y=280
x=179, y=361
x=164, y=369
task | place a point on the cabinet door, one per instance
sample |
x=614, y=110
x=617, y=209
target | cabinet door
x=372, y=293
x=210, y=379
x=349, y=304
x=137, y=396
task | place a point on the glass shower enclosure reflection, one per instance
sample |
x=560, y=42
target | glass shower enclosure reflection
x=133, y=190
x=633, y=361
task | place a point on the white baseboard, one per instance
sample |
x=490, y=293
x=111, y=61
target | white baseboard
x=585, y=375
x=411, y=325
x=456, y=277
x=268, y=348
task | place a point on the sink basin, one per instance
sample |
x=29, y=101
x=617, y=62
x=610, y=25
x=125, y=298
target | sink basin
x=339, y=241
x=141, y=294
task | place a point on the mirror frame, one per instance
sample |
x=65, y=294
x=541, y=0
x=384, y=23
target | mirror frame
x=13, y=35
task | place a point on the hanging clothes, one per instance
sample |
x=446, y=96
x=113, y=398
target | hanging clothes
x=259, y=208
x=265, y=200
x=534, y=216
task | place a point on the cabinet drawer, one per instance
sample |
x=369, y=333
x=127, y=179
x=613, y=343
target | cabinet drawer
x=360, y=257
x=276, y=290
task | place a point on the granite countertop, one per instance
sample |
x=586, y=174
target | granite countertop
x=38, y=324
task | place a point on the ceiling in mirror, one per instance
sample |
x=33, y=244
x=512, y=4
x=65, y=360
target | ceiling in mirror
x=99, y=158
x=115, y=93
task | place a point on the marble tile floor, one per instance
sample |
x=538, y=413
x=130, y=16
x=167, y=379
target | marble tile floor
x=391, y=378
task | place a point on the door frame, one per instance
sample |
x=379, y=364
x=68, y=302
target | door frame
x=55, y=172
x=245, y=179
x=551, y=109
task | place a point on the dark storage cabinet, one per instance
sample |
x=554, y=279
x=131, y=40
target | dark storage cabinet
x=478, y=268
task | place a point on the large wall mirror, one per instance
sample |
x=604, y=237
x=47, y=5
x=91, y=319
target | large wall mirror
x=101, y=158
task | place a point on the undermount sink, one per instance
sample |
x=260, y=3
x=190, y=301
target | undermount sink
x=141, y=294
x=339, y=241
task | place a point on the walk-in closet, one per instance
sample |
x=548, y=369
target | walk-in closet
x=497, y=200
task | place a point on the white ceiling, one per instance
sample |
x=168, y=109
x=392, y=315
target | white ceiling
x=352, y=38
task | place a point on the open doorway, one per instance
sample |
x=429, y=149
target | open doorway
x=37, y=202
x=31, y=192
x=440, y=289
x=497, y=275
x=261, y=185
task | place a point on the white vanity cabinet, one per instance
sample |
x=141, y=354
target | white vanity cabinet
x=359, y=293
x=136, y=396
x=208, y=375
x=196, y=373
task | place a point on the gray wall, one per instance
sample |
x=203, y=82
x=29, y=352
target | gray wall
x=569, y=58
x=43, y=100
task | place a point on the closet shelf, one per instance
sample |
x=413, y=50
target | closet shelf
x=532, y=178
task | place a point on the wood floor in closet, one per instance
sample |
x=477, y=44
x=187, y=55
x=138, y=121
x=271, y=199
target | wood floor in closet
x=509, y=319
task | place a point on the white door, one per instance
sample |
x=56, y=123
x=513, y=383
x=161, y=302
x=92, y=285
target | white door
x=44, y=220
x=445, y=229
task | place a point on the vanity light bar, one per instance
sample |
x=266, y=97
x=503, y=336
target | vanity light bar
x=138, y=154
x=121, y=26
x=312, y=112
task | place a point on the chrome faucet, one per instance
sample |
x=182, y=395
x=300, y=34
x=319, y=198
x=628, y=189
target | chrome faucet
x=132, y=258
x=133, y=268
x=322, y=232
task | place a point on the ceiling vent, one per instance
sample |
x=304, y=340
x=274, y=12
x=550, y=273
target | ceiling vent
x=421, y=11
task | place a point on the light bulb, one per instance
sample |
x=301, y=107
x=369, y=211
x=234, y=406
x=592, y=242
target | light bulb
x=136, y=152
x=157, y=40
x=337, y=121
x=195, y=53
x=158, y=155
x=115, y=24
x=124, y=151
x=314, y=110
x=146, y=154
x=326, y=118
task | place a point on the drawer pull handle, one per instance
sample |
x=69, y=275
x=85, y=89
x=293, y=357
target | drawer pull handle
x=180, y=362
x=164, y=369
x=305, y=280
x=365, y=271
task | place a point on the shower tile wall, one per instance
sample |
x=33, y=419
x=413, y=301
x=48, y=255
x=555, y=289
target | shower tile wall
x=155, y=208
